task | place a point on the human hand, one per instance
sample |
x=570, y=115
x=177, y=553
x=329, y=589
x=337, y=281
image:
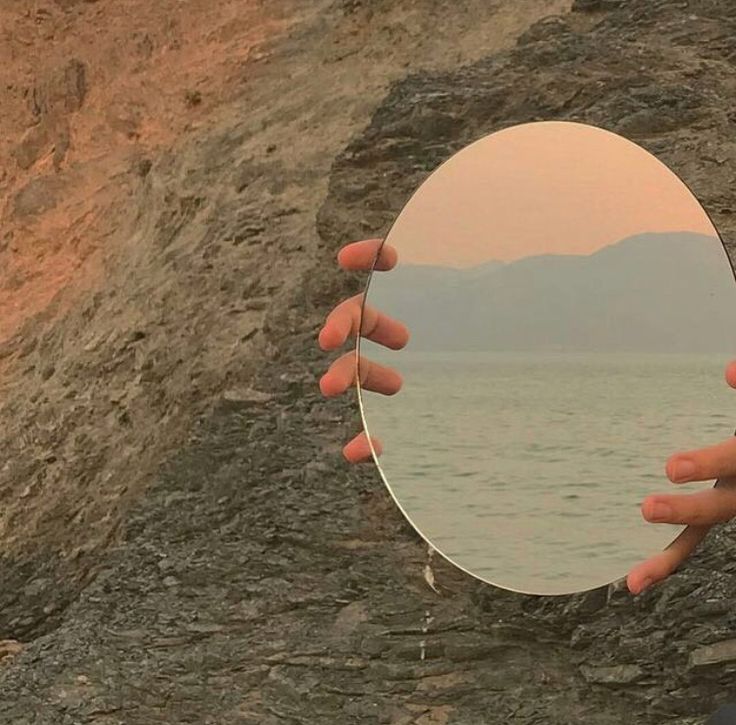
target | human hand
x=699, y=511
x=342, y=323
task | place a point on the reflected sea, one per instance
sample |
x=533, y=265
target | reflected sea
x=529, y=469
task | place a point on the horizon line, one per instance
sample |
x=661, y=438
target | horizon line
x=563, y=254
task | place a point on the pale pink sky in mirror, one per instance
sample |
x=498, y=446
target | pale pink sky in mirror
x=542, y=188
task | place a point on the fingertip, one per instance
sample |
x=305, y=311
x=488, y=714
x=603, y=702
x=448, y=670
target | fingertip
x=680, y=468
x=355, y=453
x=343, y=256
x=323, y=340
x=399, y=384
x=358, y=450
x=330, y=385
x=399, y=336
x=647, y=506
x=358, y=256
x=388, y=259
x=331, y=336
x=402, y=336
x=731, y=374
x=660, y=510
x=639, y=580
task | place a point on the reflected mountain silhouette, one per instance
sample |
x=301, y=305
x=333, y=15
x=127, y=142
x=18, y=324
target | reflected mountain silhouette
x=671, y=292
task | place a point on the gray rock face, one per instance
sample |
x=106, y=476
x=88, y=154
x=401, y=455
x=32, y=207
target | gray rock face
x=260, y=580
x=616, y=675
x=718, y=653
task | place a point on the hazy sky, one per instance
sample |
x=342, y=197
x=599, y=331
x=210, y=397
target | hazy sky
x=542, y=188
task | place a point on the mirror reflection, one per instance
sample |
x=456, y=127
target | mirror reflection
x=571, y=309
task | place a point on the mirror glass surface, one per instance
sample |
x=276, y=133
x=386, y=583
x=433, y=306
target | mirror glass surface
x=571, y=310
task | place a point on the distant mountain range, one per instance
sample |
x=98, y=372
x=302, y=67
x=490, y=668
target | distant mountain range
x=672, y=292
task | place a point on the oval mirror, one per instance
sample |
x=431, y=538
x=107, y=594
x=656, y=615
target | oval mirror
x=571, y=310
